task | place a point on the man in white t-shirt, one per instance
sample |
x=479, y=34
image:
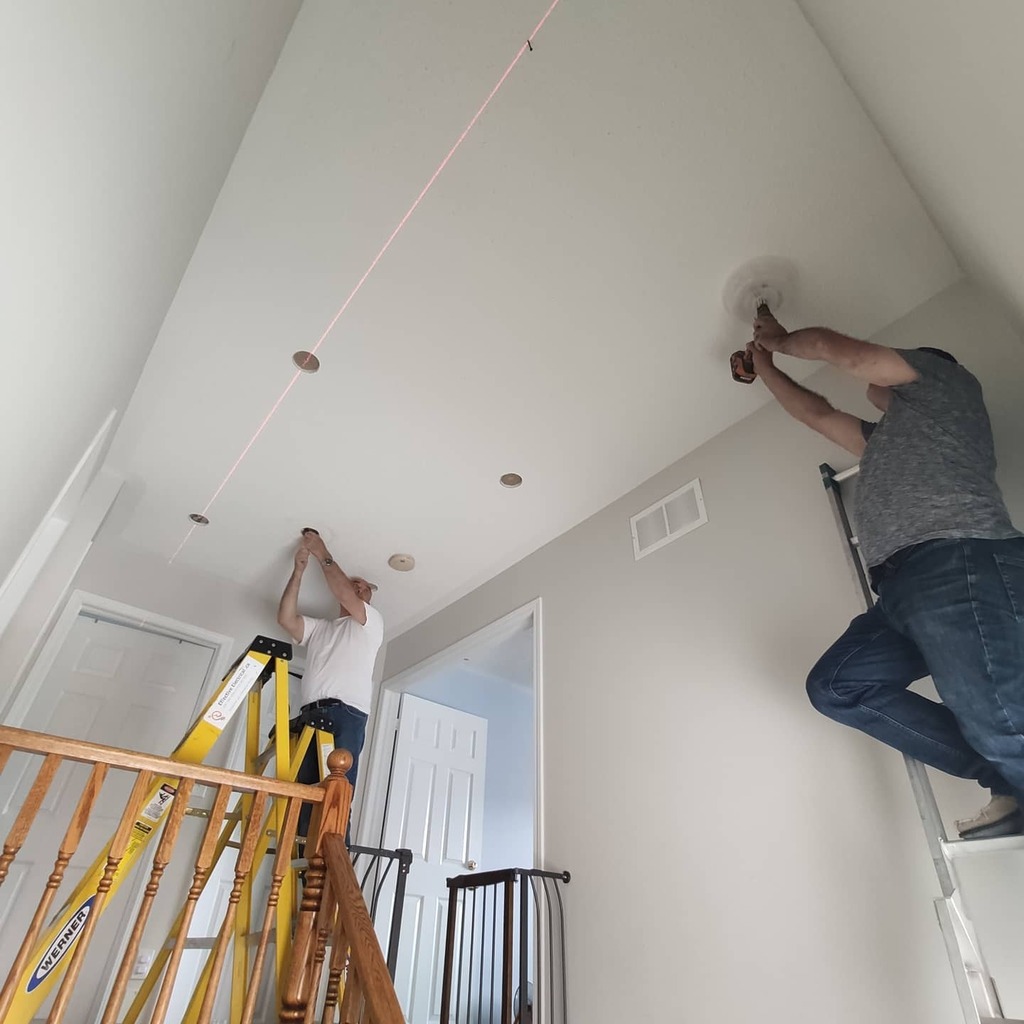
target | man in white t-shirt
x=337, y=685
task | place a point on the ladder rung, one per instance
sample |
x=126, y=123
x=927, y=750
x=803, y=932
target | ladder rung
x=958, y=848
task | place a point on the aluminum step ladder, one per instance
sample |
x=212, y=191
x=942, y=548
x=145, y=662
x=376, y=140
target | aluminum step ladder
x=975, y=987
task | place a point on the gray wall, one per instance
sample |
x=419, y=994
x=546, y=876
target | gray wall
x=735, y=856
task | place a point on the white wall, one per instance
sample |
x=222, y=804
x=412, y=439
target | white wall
x=509, y=784
x=137, y=577
x=737, y=855
x=120, y=123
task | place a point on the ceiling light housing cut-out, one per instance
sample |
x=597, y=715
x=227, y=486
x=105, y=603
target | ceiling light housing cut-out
x=306, y=361
x=402, y=563
x=199, y=519
x=510, y=480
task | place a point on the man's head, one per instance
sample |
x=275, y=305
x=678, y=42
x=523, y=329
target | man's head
x=880, y=396
x=363, y=588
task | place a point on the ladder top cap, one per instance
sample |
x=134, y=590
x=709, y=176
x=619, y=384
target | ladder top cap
x=275, y=648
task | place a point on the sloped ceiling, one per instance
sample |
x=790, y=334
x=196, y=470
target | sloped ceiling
x=552, y=307
x=943, y=82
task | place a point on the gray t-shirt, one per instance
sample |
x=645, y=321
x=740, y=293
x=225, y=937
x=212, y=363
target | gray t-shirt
x=928, y=471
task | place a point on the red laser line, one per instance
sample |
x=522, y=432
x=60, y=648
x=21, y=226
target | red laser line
x=528, y=45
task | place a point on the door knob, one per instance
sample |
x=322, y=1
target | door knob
x=471, y=864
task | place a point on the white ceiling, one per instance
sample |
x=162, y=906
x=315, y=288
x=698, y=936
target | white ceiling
x=944, y=82
x=553, y=307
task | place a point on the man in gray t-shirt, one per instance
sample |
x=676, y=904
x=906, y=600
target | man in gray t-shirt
x=944, y=559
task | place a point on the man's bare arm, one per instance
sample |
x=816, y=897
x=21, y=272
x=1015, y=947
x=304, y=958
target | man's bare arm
x=810, y=408
x=288, y=616
x=865, y=360
x=341, y=586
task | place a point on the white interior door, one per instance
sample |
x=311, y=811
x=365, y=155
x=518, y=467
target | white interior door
x=114, y=684
x=435, y=808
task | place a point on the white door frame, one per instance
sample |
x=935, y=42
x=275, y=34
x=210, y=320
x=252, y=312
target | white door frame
x=371, y=808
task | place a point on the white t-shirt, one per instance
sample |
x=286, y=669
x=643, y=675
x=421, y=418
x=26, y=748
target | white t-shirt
x=340, y=655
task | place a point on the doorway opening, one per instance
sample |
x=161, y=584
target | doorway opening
x=455, y=775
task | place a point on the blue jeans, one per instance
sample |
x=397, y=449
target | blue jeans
x=954, y=610
x=348, y=726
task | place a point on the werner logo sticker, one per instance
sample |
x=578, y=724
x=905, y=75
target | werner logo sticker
x=61, y=945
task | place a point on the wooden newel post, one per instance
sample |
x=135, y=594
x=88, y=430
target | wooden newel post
x=329, y=817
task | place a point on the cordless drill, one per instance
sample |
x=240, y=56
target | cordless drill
x=742, y=363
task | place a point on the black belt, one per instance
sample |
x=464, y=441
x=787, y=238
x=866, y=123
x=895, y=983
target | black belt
x=887, y=569
x=328, y=702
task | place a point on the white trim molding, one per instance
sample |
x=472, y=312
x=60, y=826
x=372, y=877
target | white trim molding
x=52, y=526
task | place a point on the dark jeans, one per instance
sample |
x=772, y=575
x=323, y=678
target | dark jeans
x=954, y=610
x=348, y=726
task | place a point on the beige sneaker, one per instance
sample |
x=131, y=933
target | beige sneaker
x=1001, y=816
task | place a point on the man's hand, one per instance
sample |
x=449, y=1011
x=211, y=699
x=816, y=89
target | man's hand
x=301, y=559
x=314, y=544
x=764, y=361
x=769, y=334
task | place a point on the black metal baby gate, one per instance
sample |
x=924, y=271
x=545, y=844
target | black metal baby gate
x=504, y=957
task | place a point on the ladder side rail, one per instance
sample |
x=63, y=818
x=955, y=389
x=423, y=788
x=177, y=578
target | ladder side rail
x=975, y=987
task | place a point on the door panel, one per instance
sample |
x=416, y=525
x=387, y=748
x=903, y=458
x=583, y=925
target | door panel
x=435, y=809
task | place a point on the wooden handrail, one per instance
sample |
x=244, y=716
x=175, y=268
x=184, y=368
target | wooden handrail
x=300, y=987
x=132, y=760
x=333, y=914
x=333, y=905
x=364, y=950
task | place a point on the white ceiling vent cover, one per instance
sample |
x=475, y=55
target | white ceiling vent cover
x=668, y=519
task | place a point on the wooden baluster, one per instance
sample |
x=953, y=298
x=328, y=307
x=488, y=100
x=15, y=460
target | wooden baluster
x=204, y=860
x=116, y=850
x=5, y=755
x=352, y=1002
x=331, y=816
x=339, y=957
x=295, y=997
x=68, y=848
x=29, y=809
x=160, y=861
x=282, y=864
x=366, y=959
x=325, y=925
x=148, y=987
x=243, y=866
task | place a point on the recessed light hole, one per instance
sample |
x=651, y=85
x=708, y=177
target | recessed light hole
x=402, y=563
x=306, y=361
x=511, y=480
x=199, y=519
